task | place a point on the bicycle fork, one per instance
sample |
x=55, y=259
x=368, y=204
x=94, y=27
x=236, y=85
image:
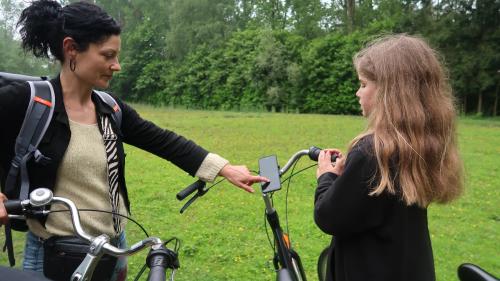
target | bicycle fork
x=286, y=260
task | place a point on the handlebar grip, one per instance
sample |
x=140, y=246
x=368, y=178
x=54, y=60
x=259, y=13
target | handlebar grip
x=190, y=189
x=159, y=260
x=314, y=154
x=13, y=207
x=157, y=273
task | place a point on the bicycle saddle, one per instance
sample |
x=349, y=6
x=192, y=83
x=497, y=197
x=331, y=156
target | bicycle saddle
x=7, y=273
x=470, y=272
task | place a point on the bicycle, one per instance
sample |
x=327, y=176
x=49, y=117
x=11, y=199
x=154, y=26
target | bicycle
x=286, y=260
x=159, y=259
x=471, y=272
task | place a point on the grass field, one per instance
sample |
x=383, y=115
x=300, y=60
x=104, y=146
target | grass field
x=223, y=235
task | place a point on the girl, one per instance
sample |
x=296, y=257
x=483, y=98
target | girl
x=375, y=200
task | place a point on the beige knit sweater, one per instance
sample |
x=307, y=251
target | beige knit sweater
x=82, y=177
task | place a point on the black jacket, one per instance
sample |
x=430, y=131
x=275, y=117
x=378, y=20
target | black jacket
x=376, y=238
x=134, y=130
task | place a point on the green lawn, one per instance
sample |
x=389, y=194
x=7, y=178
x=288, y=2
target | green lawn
x=223, y=235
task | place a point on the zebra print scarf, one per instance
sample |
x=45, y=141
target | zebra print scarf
x=109, y=138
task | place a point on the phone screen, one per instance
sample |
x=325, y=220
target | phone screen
x=268, y=167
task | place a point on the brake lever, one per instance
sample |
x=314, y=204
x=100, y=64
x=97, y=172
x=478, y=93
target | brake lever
x=30, y=213
x=200, y=193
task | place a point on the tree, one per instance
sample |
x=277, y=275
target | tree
x=465, y=29
x=13, y=58
x=196, y=22
x=145, y=46
x=306, y=16
x=330, y=80
x=350, y=7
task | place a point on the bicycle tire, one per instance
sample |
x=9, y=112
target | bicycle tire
x=298, y=271
x=323, y=264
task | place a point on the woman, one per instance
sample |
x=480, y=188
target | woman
x=375, y=200
x=86, y=41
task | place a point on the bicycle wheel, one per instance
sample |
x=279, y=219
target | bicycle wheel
x=323, y=264
x=291, y=274
x=284, y=274
x=298, y=269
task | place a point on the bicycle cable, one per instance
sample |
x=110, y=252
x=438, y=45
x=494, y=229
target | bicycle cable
x=289, y=179
x=267, y=233
x=108, y=212
x=286, y=204
x=272, y=243
x=298, y=172
x=139, y=274
x=221, y=180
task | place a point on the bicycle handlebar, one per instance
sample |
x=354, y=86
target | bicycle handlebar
x=312, y=152
x=13, y=207
x=158, y=259
x=197, y=185
x=17, y=207
x=42, y=197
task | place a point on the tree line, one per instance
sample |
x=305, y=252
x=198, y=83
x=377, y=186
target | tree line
x=280, y=55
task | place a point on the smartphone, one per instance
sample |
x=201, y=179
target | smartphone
x=268, y=167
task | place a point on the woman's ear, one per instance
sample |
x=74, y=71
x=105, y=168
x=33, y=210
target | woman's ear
x=70, y=47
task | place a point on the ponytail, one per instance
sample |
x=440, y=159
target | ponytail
x=41, y=28
x=45, y=23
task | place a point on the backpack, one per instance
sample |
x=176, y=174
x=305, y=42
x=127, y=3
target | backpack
x=36, y=121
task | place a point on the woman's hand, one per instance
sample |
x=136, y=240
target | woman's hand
x=325, y=162
x=3, y=213
x=241, y=177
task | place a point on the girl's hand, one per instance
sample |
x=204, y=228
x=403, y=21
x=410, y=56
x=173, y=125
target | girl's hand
x=241, y=177
x=325, y=163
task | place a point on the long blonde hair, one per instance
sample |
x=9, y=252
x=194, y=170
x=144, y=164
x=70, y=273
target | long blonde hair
x=412, y=120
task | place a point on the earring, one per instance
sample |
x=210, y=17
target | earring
x=72, y=65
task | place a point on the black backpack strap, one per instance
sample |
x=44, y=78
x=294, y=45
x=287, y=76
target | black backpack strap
x=35, y=124
x=7, y=78
x=109, y=100
x=9, y=246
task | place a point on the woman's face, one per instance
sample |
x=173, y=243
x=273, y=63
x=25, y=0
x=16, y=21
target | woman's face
x=366, y=94
x=96, y=65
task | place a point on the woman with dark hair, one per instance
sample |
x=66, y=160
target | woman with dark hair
x=86, y=41
x=374, y=202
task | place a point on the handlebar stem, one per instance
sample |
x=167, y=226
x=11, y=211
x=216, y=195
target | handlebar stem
x=86, y=269
x=269, y=206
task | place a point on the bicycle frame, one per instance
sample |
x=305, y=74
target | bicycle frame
x=286, y=261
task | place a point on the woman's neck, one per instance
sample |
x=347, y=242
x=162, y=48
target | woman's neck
x=74, y=90
x=77, y=99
